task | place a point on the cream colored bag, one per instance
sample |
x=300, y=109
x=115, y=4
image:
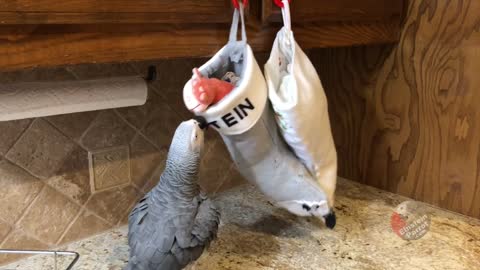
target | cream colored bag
x=301, y=108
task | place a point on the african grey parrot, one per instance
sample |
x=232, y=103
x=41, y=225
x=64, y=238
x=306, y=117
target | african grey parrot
x=173, y=223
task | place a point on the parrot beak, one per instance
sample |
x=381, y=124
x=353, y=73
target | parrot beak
x=202, y=123
x=330, y=220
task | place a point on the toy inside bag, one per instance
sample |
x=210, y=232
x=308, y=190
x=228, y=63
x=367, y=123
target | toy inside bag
x=245, y=120
x=301, y=108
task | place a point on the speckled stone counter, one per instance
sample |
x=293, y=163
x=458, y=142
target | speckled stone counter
x=255, y=235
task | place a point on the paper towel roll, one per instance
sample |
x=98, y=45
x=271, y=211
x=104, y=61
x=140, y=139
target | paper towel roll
x=36, y=99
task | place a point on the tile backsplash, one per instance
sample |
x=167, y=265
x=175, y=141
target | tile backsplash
x=67, y=177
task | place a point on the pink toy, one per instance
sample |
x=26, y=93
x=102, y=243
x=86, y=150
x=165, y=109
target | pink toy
x=208, y=91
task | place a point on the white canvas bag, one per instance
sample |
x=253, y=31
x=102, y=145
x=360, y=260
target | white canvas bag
x=240, y=109
x=301, y=108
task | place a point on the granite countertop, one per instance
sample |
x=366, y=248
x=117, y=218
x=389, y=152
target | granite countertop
x=255, y=235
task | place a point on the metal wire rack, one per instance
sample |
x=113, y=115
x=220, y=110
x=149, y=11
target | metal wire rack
x=75, y=255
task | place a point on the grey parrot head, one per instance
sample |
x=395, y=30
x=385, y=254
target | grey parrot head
x=188, y=142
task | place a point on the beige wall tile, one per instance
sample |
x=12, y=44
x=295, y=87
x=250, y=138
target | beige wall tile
x=94, y=71
x=85, y=225
x=32, y=75
x=9, y=133
x=73, y=176
x=17, y=239
x=138, y=116
x=161, y=127
x=5, y=228
x=112, y=204
x=155, y=178
x=124, y=219
x=109, y=168
x=144, y=159
x=107, y=130
x=41, y=149
x=49, y=216
x=18, y=189
x=74, y=124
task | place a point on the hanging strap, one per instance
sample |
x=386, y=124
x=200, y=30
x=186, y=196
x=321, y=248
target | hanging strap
x=233, y=30
x=286, y=15
x=287, y=24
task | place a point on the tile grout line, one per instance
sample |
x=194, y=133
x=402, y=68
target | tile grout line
x=12, y=228
x=99, y=217
x=84, y=207
x=44, y=182
x=59, y=191
x=130, y=63
x=18, y=138
x=28, y=235
x=175, y=111
x=109, y=189
x=24, y=213
x=82, y=136
x=153, y=174
x=130, y=206
x=67, y=229
x=92, y=189
x=125, y=120
x=150, y=141
x=138, y=131
x=91, y=174
x=69, y=70
x=76, y=141
x=16, y=226
x=66, y=136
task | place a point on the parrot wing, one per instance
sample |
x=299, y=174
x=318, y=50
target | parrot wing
x=150, y=245
x=203, y=232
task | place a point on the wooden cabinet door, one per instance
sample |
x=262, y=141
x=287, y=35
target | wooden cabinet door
x=114, y=11
x=335, y=11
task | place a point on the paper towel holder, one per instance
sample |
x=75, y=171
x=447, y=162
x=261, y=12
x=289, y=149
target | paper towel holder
x=151, y=74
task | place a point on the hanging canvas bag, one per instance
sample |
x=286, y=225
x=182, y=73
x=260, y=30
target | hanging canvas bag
x=301, y=108
x=245, y=120
x=241, y=108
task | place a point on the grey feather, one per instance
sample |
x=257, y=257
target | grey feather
x=173, y=223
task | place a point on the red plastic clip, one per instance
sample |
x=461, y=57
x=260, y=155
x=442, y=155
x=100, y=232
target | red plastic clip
x=235, y=3
x=279, y=3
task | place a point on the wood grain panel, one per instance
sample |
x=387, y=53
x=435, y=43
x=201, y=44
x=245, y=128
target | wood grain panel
x=406, y=118
x=114, y=11
x=339, y=10
x=52, y=45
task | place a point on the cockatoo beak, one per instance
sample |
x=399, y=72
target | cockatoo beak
x=330, y=219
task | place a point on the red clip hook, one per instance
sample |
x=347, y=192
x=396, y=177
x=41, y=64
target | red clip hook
x=237, y=6
x=279, y=3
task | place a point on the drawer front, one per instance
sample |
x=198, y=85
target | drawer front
x=335, y=11
x=114, y=11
